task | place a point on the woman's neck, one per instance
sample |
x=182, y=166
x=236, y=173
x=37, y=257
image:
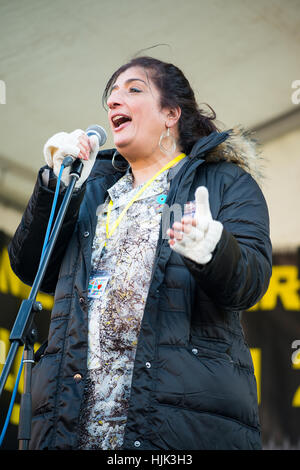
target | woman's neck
x=143, y=170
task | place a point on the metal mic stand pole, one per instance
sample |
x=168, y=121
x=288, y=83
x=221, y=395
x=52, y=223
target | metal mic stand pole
x=23, y=331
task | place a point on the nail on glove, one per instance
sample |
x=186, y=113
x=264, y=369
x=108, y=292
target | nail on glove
x=62, y=144
x=199, y=244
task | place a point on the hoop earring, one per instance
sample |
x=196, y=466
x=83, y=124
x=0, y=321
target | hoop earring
x=120, y=167
x=170, y=148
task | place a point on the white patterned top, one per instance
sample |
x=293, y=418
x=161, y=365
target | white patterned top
x=119, y=283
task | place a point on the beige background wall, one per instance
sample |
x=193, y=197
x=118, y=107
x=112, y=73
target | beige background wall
x=282, y=189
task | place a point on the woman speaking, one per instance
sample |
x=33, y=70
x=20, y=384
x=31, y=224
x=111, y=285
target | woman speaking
x=165, y=242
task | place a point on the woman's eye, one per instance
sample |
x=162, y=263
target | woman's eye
x=134, y=90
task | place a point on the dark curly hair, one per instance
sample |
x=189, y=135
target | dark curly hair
x=175, y=90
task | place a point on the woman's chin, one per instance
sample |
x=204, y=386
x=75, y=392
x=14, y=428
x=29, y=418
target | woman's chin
x=125, y=146
x=120, y=143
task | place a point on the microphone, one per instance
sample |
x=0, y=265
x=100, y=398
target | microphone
x=99, y=132
x=94, y=129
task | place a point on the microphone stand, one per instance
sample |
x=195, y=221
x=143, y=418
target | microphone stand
x=24, y=331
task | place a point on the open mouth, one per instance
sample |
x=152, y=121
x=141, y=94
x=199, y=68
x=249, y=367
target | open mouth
x=119, y=120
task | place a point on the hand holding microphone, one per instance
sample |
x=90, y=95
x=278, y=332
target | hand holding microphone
x=77, y=144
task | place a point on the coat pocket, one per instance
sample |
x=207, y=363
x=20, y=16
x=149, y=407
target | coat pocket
x=206, y=379
x=210, y=347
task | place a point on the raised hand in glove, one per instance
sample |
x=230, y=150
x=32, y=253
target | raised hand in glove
x=78, y=145
x=196, y=237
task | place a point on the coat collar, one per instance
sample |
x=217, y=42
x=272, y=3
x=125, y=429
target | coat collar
x=237, y=145
x=104, y=166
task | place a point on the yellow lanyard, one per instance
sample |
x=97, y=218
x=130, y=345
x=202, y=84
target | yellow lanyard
x=143, y=188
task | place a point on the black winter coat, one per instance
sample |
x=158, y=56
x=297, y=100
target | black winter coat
x=198, y=390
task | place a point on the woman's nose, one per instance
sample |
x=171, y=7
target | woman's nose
x=114, y=100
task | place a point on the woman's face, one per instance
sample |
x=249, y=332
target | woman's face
x=135, y=115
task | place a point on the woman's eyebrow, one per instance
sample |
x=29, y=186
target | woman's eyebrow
x=129, y=81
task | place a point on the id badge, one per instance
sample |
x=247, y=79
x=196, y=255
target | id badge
x=97, y=284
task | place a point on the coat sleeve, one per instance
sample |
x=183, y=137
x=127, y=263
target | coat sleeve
x=26, y=245
x=239, y=272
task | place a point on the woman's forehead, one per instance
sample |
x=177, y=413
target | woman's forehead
x=132, y=73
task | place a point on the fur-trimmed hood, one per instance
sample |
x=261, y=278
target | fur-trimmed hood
x=237, y=145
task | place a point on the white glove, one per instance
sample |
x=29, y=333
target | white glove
x=196, y=238
x=62, y=144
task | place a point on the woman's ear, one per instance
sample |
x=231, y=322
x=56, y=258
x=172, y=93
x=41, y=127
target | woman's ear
x=173, y=116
